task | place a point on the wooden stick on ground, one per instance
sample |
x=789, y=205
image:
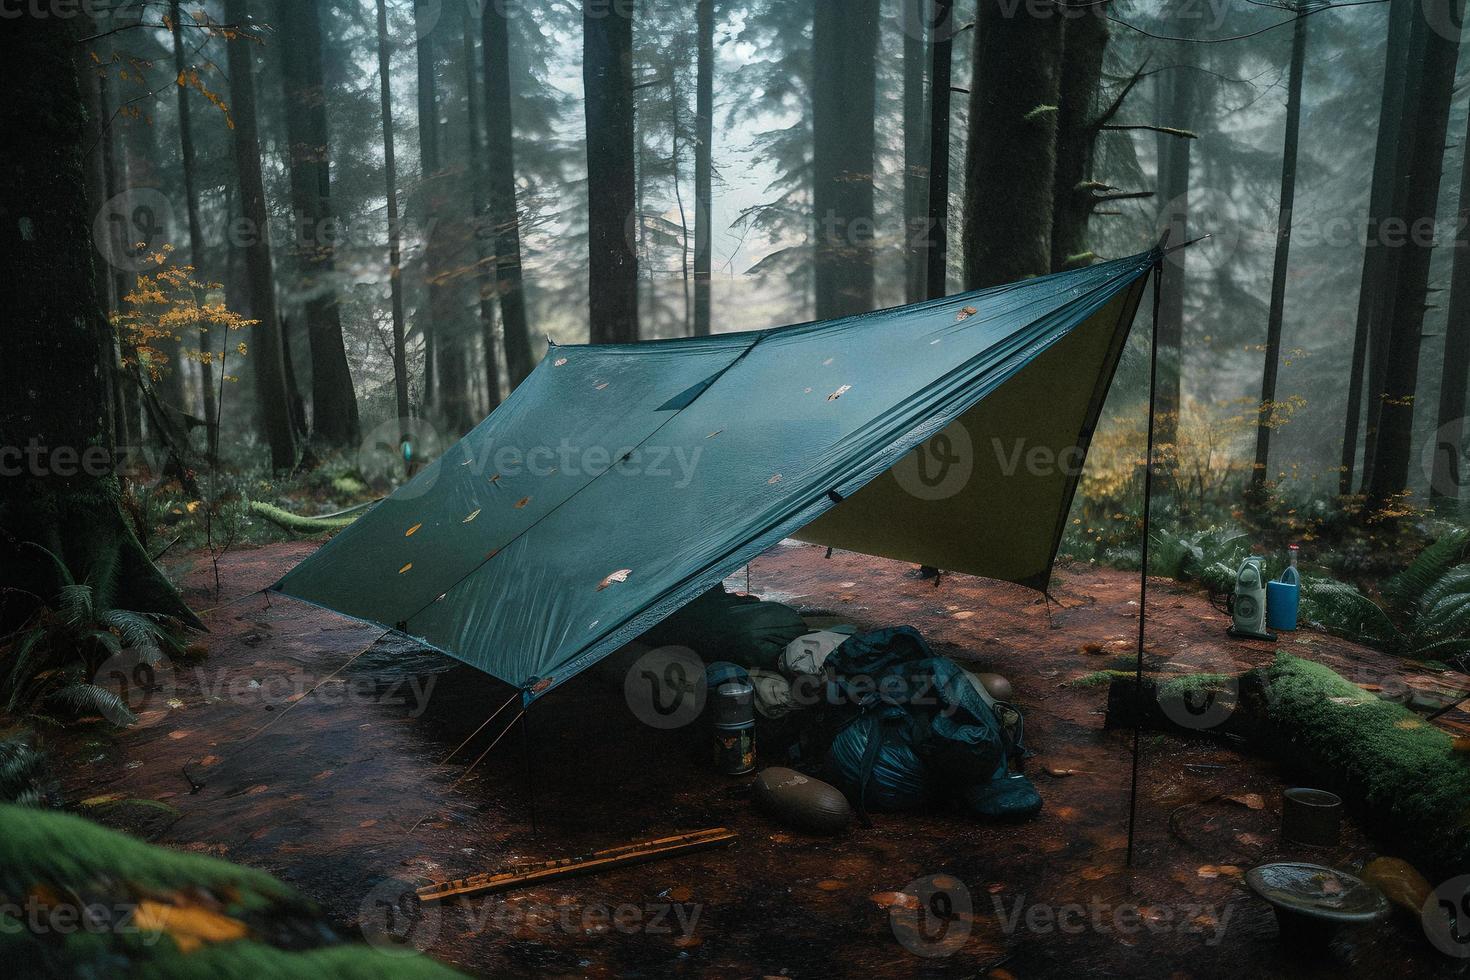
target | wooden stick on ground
x=519, y=876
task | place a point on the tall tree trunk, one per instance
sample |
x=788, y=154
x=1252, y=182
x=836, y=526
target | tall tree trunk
x=1391, y=233
x=1012, y=161
x=272, y=396
x=1283, y=255
x=915, y=149
x=1073, y=198
x=446, y=372
x=1177, y=90
x=93, y=167
x=1447, y=477
x=429, y=166
x=395, y=248
x=334, y=421
x=501, y=188
x=936, y=259
x=484, y=273
x=129, y=425
x=1375, y=255
x=196, y=229
x=1395, y=426
x=612, y=261
x=844, y=52
x=704, y=135
x=52, y=395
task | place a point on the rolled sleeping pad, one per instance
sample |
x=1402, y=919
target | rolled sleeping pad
x=802, y=802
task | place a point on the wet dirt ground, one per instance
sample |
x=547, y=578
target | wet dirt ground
x=347, y=796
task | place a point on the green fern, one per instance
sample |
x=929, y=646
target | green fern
x=80, y=698
x=1405, y=589
x=23, y=774
x=53, y=661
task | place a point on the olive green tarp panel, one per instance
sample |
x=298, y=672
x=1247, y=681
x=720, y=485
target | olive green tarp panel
x=618, y=482
x=989, y=494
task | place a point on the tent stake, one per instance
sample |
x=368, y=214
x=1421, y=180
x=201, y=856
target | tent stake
x=1148, y=489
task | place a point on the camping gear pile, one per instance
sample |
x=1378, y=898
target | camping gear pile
x=879, y=715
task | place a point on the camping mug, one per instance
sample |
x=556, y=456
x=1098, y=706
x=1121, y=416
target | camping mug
x=1311, y=816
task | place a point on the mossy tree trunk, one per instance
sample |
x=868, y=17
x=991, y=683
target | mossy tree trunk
x=1010, y=173
x=334, y=420
x=57, y=487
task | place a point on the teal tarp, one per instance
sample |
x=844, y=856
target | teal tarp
x=618, y=482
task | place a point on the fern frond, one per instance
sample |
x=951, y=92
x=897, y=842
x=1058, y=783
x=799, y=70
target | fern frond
x=81, y=698
x=1403, y=590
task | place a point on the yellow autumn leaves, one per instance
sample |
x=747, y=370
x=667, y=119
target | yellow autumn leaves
x=161, y=307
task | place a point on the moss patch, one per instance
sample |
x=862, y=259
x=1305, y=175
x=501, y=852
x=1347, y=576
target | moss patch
x=154, y=912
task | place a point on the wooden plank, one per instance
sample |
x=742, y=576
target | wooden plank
x=521, y=875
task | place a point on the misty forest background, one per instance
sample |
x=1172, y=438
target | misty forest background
x=448, y=184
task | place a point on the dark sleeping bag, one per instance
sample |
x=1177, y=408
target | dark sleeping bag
x=721, y=625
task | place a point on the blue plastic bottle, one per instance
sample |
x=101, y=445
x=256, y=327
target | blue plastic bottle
x=1284, y=596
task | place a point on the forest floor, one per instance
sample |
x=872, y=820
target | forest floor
x=345, y=797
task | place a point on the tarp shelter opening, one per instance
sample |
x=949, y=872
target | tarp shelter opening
x=618, y=482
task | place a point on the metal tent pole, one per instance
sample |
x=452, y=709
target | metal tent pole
x=1148, y=491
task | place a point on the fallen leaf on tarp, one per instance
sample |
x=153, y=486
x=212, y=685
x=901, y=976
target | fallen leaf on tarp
x=368, y=823
x=471, y=515
x=965, y=314
x=411, y=531
x=558, y=362
x=1252, y=801
x=621, y=575
x=890, y=900
x=522, y=502
x=842, y=390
